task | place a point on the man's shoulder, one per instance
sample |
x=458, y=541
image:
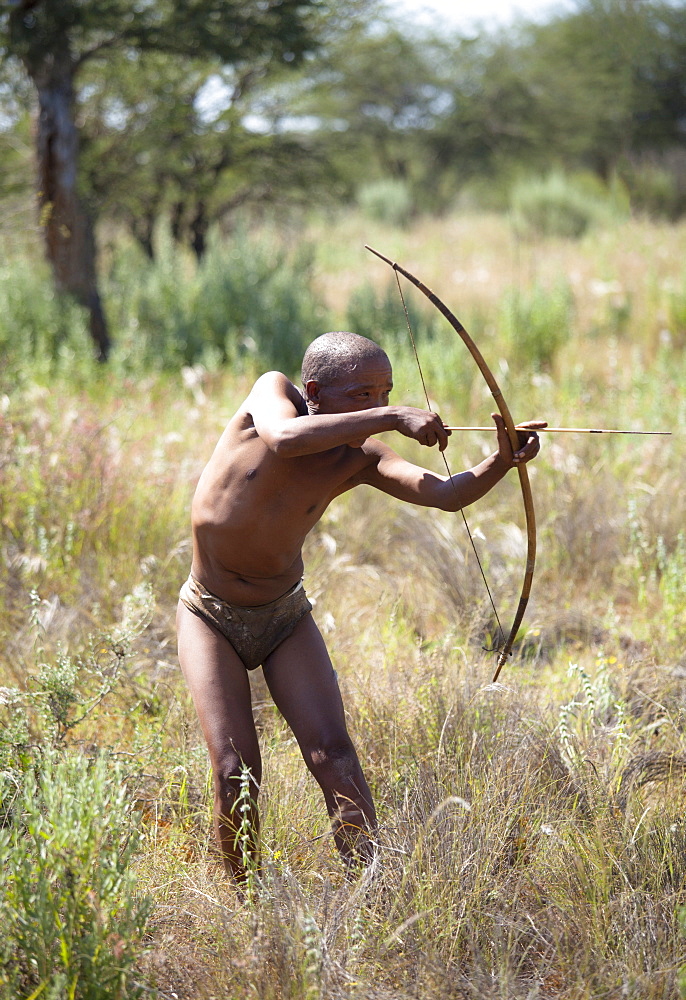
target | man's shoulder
x=274, y=393
x=276, y=384
x=272, y=380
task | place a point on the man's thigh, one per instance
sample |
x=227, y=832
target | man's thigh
x=219, y=685
x=303, y=684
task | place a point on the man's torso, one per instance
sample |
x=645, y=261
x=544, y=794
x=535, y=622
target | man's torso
x=253, y=509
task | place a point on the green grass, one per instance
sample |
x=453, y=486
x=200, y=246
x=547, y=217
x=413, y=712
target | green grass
x=532, y=834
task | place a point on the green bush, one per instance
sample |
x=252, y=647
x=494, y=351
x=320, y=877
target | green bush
x=64, y=689
x=248, y=303
x=380, y=316
x=657, y=188
x=72, y=924
x=558, y=205
x=536, y=323
x=387, y=201
x=37, y=326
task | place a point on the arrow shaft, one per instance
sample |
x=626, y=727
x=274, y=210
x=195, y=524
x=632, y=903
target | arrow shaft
x=562, y=430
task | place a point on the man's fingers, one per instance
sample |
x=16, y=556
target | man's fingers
x=525, y=425
x=533, y=425
x=530, y=449
x=440, y=434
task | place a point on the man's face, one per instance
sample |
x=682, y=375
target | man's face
x=368, y=386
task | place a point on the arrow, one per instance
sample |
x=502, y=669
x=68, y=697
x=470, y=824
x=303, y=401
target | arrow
x=561, y=430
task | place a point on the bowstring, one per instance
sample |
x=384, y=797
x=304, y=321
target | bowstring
x=447, y=467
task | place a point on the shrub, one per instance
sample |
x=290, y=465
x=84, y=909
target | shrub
x=656, y=186
x=380, y=316
x=65, y=689
x=36, y=324
x=248, y=303
x=444, y=359
x=387, y=201
x=72, y=923
x=536, y=323
x=558, y=205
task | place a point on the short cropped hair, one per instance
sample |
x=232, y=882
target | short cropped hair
x=335, y=354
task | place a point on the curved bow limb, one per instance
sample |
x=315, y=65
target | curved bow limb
x=525, y=486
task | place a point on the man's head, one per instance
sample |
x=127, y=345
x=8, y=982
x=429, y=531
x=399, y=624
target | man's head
x=336, y=354
x=342, y=372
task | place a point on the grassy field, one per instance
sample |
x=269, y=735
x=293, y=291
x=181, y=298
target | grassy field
x=532, y=838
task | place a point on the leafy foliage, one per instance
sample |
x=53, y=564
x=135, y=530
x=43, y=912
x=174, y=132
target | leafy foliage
x=536, y=324
x=72, y=920
x=563, y=206
x=386, y=201
x=249, y=301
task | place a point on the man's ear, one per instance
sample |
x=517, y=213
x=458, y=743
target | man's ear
x=312, y=392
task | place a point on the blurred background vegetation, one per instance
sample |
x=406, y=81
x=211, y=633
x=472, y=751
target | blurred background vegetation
x=128, y=120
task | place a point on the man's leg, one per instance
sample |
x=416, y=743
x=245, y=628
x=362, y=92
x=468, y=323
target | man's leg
x=303, y=684
x=219, y=684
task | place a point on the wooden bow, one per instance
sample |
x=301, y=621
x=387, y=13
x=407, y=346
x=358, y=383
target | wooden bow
x=506, y=649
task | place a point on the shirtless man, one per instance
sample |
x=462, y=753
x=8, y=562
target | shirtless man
x=282, y=459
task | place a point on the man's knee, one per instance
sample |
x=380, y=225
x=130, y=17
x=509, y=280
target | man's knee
x=234, y=778
x=333, y=762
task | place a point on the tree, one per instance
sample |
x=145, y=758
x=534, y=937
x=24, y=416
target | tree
x=187, y=140
x=371, y=97
x=55, y=39
x=586, y=89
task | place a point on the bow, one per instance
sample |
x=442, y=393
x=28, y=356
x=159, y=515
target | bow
x=506, y=649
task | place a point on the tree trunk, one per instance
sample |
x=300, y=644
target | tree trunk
x=176, y=220
x=67, y=228
x=199, y=227
x=143, y=228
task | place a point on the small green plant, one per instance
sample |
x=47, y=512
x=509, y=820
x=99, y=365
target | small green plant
x=387, y=201
x=68, y=687
x=313, y=945
x=65, y=688
x=536, y=324
x=72, y=921
x=672, y=570
x=596, y=709
x=246, y=836
x=682, y=969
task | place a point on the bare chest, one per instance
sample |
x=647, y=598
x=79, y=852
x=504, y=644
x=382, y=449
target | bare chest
x=259, y=487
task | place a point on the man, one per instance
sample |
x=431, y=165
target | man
x=284, y=456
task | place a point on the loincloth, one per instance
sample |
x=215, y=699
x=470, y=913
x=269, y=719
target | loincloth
x=254, y=632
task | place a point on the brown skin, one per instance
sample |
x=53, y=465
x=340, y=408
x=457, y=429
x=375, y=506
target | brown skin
x=282, y=459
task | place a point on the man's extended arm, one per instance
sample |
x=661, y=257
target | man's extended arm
x=413, y=484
